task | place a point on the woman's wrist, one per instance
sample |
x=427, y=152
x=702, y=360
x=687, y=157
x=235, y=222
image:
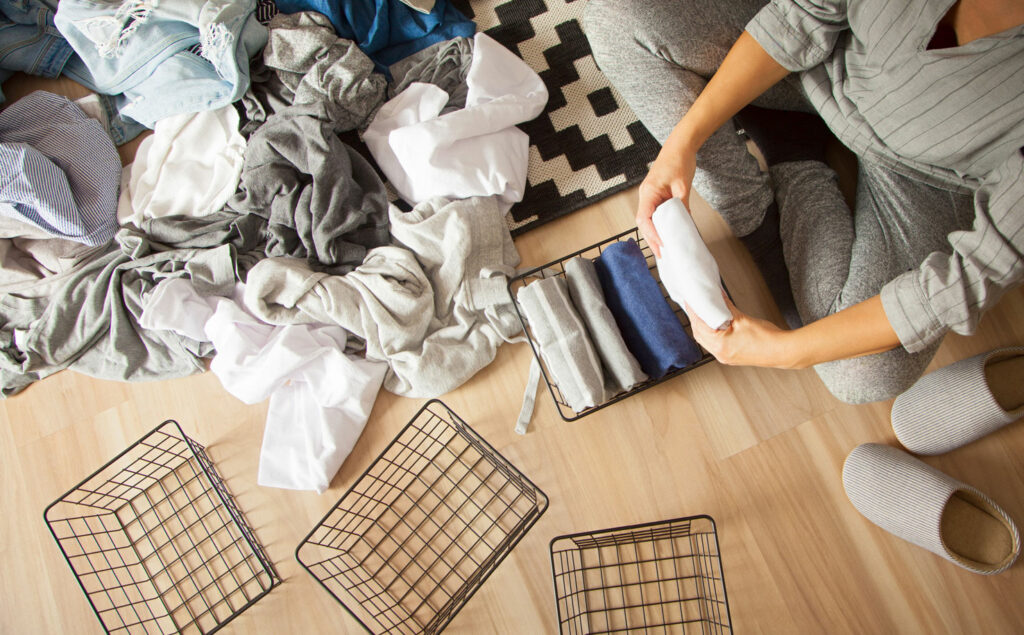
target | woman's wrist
x=793, y=349
x=686, y=137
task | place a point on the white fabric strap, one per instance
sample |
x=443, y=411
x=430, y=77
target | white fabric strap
x=529, y=398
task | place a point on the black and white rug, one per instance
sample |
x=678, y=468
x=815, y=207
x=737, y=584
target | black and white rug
x=587, y=144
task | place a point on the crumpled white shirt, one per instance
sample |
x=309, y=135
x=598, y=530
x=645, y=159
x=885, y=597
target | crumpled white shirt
x=189, y=166
x=320, y=398
x=475, y=151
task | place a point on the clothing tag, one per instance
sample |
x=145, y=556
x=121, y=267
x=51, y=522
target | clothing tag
x=423, y=6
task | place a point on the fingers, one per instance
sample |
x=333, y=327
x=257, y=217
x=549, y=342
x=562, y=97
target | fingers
x=649, y=201
x=714, y=341
x=728, y=303
x=696, y=325
x=650, y=234
x=700, y=328
x=682, y=192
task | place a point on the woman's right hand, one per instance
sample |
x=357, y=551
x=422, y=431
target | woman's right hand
x=746, y=72
x=670, y=176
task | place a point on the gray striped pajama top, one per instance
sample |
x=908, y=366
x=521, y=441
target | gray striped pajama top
x=952, y=117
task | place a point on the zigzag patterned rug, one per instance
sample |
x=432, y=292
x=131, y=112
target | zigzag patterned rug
x=587, y=144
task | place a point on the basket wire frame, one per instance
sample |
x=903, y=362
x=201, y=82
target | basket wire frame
x=557, y=268
x=156, y=541
x=407, y=546
x=662, y=577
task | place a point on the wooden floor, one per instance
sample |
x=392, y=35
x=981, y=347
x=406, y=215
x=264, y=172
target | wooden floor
x=758, y=450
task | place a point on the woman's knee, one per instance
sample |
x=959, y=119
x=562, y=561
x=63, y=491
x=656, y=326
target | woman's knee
x=606, y=24
x=871, y=378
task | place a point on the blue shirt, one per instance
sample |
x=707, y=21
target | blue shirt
x=387, y=30
x=59, y=170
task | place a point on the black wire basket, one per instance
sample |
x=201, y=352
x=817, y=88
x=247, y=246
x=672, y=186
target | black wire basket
x=557, y=268
x=157, y=542
x=662, y=577
x=419, y=532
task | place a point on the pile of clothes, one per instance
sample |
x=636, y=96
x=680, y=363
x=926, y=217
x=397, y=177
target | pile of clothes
x=254, y=226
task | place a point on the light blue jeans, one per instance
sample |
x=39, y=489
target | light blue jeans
x=31, y=43
x=140, y=48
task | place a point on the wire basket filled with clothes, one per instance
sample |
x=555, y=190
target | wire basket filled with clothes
x=157, y=542
x=661, y=577
x=602, y=325
x=421, y=530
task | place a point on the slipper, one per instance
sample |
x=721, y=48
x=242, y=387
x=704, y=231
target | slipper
x=923, y=506
x=962, y=402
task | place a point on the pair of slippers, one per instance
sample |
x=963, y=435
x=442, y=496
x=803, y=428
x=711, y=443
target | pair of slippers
x=944, y=410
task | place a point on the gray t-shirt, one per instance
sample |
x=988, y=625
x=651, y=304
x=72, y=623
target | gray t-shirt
x=952, y=117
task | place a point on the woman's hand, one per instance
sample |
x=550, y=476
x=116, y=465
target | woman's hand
x=748, y=341
x=746, y=72
x=670, y=176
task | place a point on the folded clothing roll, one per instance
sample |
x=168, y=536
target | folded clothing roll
x=649, y=327
x=559, y=332
x=622, y=370
x=688, y=270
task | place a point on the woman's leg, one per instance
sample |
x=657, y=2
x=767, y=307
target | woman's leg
x=838, y=259
x=659, y=55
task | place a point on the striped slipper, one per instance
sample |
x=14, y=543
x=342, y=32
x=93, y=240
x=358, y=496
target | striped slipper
x=962, y=402
x=923, y=506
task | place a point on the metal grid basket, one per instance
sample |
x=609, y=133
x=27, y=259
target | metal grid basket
x=662, y=577
x=419, y=532
x=557, y=268
x=156, y=541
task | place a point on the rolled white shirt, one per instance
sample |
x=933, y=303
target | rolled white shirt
x=688, y=270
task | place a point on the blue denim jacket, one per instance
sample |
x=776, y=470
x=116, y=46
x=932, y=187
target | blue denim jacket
x=141, y=48
x=31, y=43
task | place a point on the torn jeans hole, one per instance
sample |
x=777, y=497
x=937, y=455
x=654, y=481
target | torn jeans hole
x=110, y=32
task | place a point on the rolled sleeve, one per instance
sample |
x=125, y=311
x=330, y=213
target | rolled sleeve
x=950, y=292
x=799, y=34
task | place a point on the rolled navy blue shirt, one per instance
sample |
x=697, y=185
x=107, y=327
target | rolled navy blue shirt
x=650, y=328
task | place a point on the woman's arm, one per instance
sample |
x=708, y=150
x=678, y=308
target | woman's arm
x=746, y=72
x=862, y=329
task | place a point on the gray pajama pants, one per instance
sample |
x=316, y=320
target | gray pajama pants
x=659, y=54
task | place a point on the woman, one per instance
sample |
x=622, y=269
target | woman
x=929, y=94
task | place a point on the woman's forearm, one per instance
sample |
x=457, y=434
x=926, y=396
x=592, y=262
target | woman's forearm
x=746, y=72
x=862, y=329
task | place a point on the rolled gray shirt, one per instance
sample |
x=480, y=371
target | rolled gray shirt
x=951, y=117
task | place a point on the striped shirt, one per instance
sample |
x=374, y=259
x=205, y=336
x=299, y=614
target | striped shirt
x=951, y=117
x=59, y=170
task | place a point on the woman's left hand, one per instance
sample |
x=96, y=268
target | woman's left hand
x=748, y=341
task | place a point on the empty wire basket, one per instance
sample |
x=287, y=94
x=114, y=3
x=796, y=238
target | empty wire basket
x=662, y=577
x=557, y=268
x=156, y=541
x=419, y=532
